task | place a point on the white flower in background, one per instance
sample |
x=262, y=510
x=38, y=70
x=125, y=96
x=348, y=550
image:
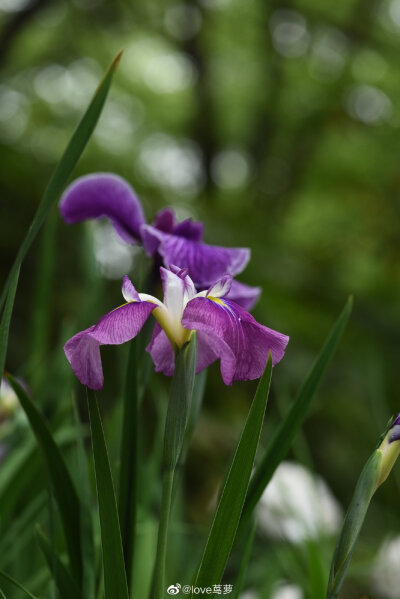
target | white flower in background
x=297, y=505
x=8, y=400
x=250, y=594
x=281, y=591
x=386, y=569
x=287, y=591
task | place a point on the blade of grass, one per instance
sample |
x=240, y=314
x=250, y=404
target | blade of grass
x=285, y=433
x=128, y=479
x=65, y=583
x=6, y=319
x=88, y=550
x=115, y=583
x=64, y=169
x=41, y=310
x=7, y=578
x=174, y=435
x=238, y=586
x=227, y=516
x=64, y=490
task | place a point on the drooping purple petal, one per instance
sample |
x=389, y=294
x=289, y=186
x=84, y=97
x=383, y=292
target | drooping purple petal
x=244, y=295
x=104, y=194
x=206, y=263
x=229, y=330
x=116, y=327
x=163, y=357
x=161, y=351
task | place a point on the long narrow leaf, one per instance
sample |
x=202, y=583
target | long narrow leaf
x=64, y=490
x=285, y=433
x=7, y=578
x=115, y=583
x=226, y=520
x=64, y=582
x=6, y=319
x=64, y=168
x=128, y=475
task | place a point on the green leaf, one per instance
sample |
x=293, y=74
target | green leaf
x=6, y=319
x=65, y=583
x=248, y=547
x=115, y=583
x=64, y=490
x=353, y=522
x=286, y=432
x=227, y=516
x=128, y=474
x=179, y=403
x=7, y=578
x=64, y=169
x=175, y=425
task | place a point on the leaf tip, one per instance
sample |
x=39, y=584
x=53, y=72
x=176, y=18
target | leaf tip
x=117, y=59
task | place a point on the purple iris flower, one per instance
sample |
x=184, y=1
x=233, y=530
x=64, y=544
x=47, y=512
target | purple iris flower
x=108, y=195
x=224, y=329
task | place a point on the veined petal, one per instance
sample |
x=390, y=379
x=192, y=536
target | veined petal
x=104, y=194
x=221, y=287
x=244, y=295
x=161, y=351
x=128, y=290
x=116, y=327
x=229, y=331
x=206, y=263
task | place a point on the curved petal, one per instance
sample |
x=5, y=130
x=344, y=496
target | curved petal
x=206, y=263
x=162, y=354
x=244, y=295
x=161, y=351
x=223, y=326
x=104, y=194
x=116, y=327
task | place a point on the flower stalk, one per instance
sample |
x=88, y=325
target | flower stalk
x=175, y=426
x=374, y=473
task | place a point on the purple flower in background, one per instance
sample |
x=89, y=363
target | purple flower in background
x=108, y=195
x=224, y=329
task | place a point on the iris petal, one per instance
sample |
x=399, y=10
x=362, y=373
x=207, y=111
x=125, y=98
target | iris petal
x=223, y=326
x=206, y=263
x=104, y=194
x=244, y=295
x=116, y=327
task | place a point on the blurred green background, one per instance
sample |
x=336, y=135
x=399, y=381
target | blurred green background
x=278, y=125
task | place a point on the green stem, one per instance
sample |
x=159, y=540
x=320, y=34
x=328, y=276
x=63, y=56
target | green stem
x=166, y=502
x=128, y=479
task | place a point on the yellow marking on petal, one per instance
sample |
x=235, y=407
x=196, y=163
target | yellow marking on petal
x=217, y=300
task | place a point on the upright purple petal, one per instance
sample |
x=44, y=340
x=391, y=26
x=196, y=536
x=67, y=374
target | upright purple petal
x=116, y=327
x=244, y=295
x=189, y=229
x=165, y=221
x=104, y=194
x=229, y=331
x=206, y=263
